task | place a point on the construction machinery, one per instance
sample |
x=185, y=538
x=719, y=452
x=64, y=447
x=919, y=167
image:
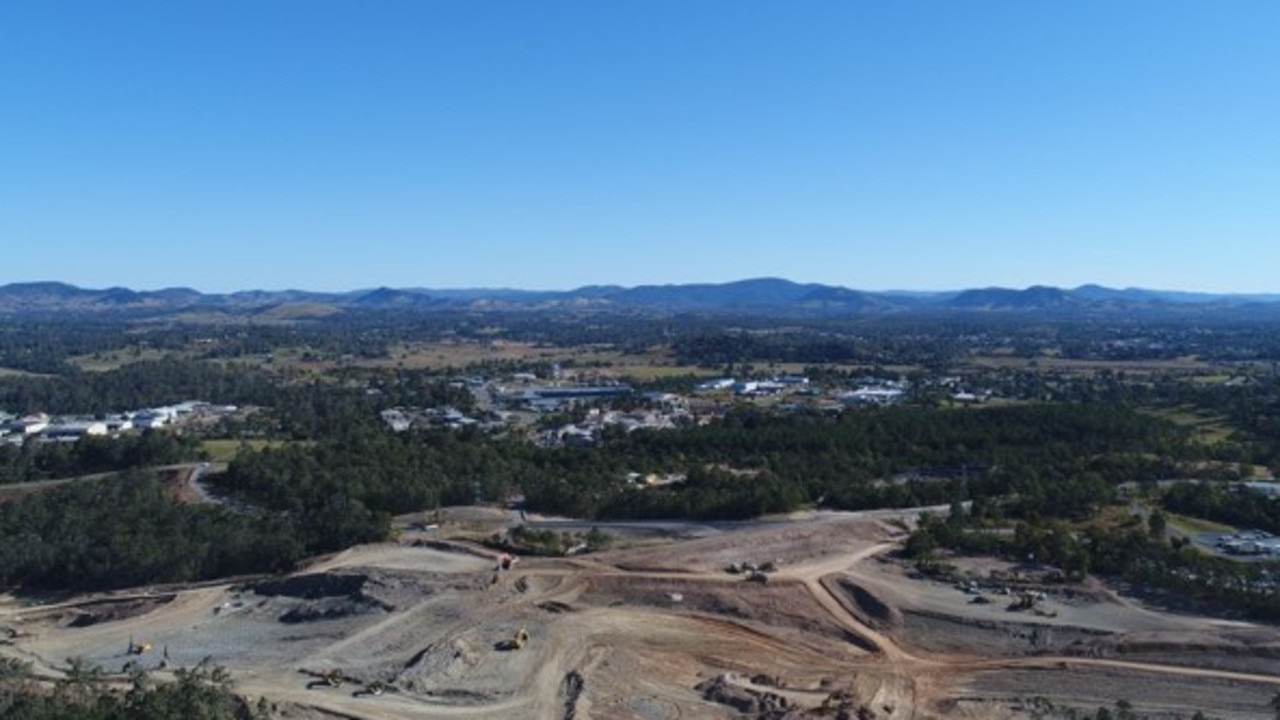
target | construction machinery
x=1027, y=601
x=137, y=648
x=516, y=642
x=326, y=678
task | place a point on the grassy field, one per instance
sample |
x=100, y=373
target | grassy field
x=1208, y=428
x=226, y=450
x=585, y=362
x=1050, y=363
x=1189, y=525
x=1115, y=516
x=1211, y=379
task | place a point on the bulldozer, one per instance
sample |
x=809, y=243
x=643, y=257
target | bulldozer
x=137, y=648
x=325, y=678
x=374, y=688
x=1024, y=601
x=517, y=641
x=520, y=640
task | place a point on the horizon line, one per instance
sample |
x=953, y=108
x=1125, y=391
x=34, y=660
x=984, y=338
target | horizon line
x=621, y=286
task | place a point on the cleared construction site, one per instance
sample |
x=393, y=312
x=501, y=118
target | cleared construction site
x=810, y=616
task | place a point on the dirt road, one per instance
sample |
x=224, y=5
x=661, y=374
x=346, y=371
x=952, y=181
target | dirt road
x=659, y=631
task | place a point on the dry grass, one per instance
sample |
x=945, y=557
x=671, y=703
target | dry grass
x=1207, y=427
x=1189, y=525
x=1185, y=365
x=446, y=354
x=226, y=450
x=586, y=361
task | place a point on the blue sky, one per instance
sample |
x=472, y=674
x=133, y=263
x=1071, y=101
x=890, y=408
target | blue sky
x=873, y=144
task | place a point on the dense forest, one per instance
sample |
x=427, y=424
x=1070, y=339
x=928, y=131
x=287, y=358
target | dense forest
x=125, y=531
x=200, y=693
x=749, y=464
x=90, y=455
x=1214, y=501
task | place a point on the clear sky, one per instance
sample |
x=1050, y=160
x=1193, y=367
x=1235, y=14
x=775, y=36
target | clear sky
x=540, y=144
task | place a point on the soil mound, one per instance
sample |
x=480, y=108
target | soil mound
x=324, y=610
x=440, y=661
x=869, y=608
x=313, y=586
x=334, y=595
x=1252, y=650
x=573, y=685
x=750, y=703
x=111, y=610
x=942, y=632
x=387, y=589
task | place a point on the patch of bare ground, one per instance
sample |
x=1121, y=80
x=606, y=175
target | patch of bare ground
x=177, y=485
x=900, y=586
x=1248, y=650
x=784, y=607
x=865, y=606
x=427, y=628
x=951, y=634
x=781, y=542
x=1152, y=695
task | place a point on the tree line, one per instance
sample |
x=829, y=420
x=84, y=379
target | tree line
x=35, y=460
x=86, y=693
x=125, y=531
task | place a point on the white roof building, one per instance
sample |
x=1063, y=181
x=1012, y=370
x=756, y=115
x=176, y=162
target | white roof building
x=872, y=396
x=75, y=430
x=149, y=420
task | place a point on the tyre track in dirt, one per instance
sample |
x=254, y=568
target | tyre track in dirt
x=568, y=664
x=906, y=665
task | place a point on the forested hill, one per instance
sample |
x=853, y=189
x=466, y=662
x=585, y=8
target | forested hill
x=769, y=296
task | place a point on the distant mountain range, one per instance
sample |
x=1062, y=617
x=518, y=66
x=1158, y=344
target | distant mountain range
x=759, y=296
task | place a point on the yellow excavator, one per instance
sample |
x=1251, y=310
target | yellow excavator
x=136, y=648
x=517, y=641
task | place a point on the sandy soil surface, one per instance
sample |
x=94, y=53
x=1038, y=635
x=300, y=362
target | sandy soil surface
x=661, y=631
